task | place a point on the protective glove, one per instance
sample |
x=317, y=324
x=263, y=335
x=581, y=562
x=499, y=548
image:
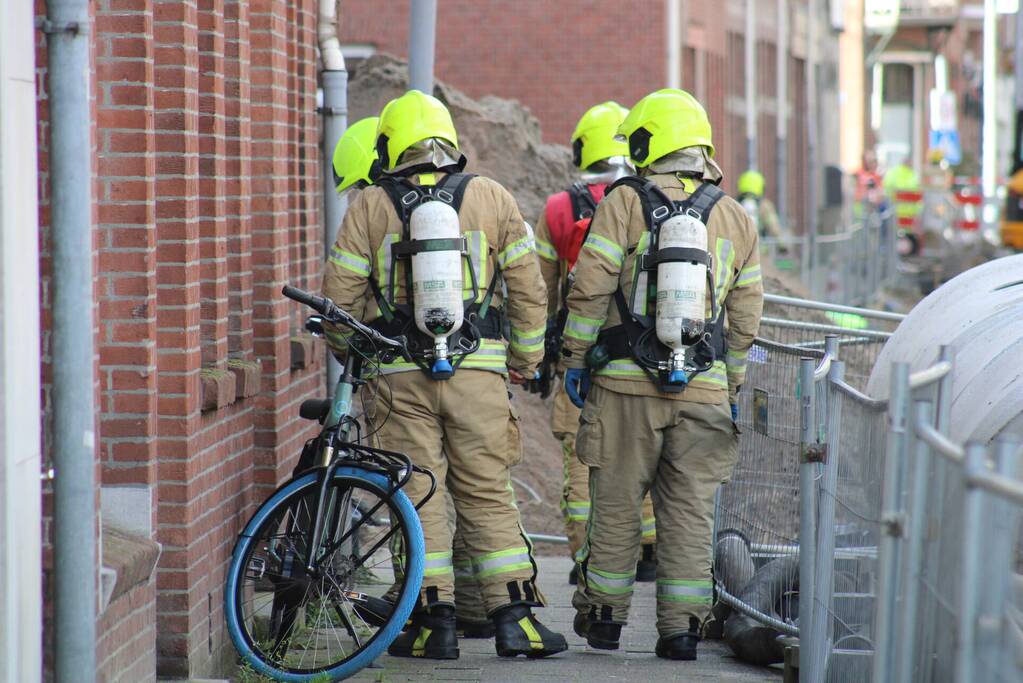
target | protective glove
x=735, y=412
x=577, y=385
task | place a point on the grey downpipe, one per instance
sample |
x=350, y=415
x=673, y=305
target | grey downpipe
x=334, y=79
x=750, y=640
x=422, y=37
x=782, y=119
x=74, y=500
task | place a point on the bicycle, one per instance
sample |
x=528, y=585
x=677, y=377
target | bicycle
x=327, y=571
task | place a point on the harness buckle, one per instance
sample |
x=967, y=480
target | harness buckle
x=444, y=196
x=693, y=213
x=409, y=198
x=660, y=213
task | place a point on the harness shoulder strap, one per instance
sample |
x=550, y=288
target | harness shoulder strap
x=703, y=200
x=583, y=203
x=454, y=185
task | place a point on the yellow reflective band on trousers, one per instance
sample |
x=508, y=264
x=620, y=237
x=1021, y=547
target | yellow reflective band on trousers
x=528, y=341
x=585, y=329
x=490, y=356
x=546, y=250
x=610, y=583
x=349, y=261
x=606, y=248
x=437, y=564
x=576, y=511
x=502, y=562
x=535, y=640
x=680, y=590
x=649, y=527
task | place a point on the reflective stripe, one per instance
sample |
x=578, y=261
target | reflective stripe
x=526, y=342
x=490, y=356
x=609, y=583
x=749, y=276
x=602, y=245
x=463, y=569
x=546, y=250
x=384, y=261
x=640, y=277
x=622, y=368
x=503, y=562
x=585, y=329
x=715, y=378
x=437, y=564
x=680, y=590
x=576, y=511
x=349, y=261
x=535, y=639
x=515, y=251
x=419, y=646
x=649, y=527
x=477, y=242
x=723, y=262
x=736, y=362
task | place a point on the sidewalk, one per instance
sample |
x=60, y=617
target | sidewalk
x=634, y=662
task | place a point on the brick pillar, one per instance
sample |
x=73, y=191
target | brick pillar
x=178, y=323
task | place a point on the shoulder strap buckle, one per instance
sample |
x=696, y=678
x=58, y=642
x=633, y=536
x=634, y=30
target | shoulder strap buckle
x=409, y=198
x=660, y=213
x=444, y=196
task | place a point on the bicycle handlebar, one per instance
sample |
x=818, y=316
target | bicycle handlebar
x=333, y=314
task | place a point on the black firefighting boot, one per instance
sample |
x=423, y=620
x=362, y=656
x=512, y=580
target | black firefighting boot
x=431, y=635
x=681, y=646
x=646, y=568
x=602, y=635
x=517, y=632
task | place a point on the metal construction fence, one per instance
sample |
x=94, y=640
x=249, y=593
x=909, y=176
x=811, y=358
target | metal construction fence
x=848, y=266
x=901, y=546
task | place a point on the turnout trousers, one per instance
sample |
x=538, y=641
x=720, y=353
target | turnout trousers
x=465, y=431
x=575, y=492
x=679, y=451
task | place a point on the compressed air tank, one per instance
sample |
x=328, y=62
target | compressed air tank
x=681, y=290
x=437, y=279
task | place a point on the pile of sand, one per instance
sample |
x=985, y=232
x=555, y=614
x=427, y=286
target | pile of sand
x=500, y=137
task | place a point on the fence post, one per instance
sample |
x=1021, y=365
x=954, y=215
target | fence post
x=807, y=514
x=973, y=511
x=822, y=623
x=916, y=531
x=999, y=553
x=891, y=524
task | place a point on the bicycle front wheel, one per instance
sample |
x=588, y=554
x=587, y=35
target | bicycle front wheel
x=296, y=625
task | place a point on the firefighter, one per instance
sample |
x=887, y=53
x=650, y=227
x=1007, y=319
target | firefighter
x=421, y=253
x=760, y=208
x=666, y=303
x=560, y=231
x=355, y=166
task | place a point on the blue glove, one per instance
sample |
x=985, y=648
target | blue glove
x=577, y=385
x=735, y=412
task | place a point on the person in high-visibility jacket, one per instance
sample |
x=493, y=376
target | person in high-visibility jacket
x=452, y=417
x=761, y=209
x=902, y=185
x=560, y=231
x=646, y=426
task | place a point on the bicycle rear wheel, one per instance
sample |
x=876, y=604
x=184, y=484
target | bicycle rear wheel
x=296, y=626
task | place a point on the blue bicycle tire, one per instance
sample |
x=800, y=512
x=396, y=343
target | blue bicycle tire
x=416, y=559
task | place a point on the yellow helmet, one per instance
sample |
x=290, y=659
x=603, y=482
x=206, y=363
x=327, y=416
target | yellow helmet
x=752, y=182
x=594, y=136
x=412, y=118
x=355, y=154
x=663, y=122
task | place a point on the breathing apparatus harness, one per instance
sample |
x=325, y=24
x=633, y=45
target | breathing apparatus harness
x=636, y=336
x=479, y=321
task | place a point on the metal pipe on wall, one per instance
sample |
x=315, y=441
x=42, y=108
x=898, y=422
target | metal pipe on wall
x=782, y=118
x=74, y=501
x=421, y=44
x=334, y=80
x=674, y=56
x=750, y=69
x=989, y=130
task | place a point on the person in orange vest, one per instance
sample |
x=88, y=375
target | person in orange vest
x=560, y=232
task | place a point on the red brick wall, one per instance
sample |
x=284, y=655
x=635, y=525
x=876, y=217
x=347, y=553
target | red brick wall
x=207, y=201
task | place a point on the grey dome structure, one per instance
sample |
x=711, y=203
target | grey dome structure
x=980, y=314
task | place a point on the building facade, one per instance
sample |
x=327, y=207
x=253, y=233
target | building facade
x=207, y=199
